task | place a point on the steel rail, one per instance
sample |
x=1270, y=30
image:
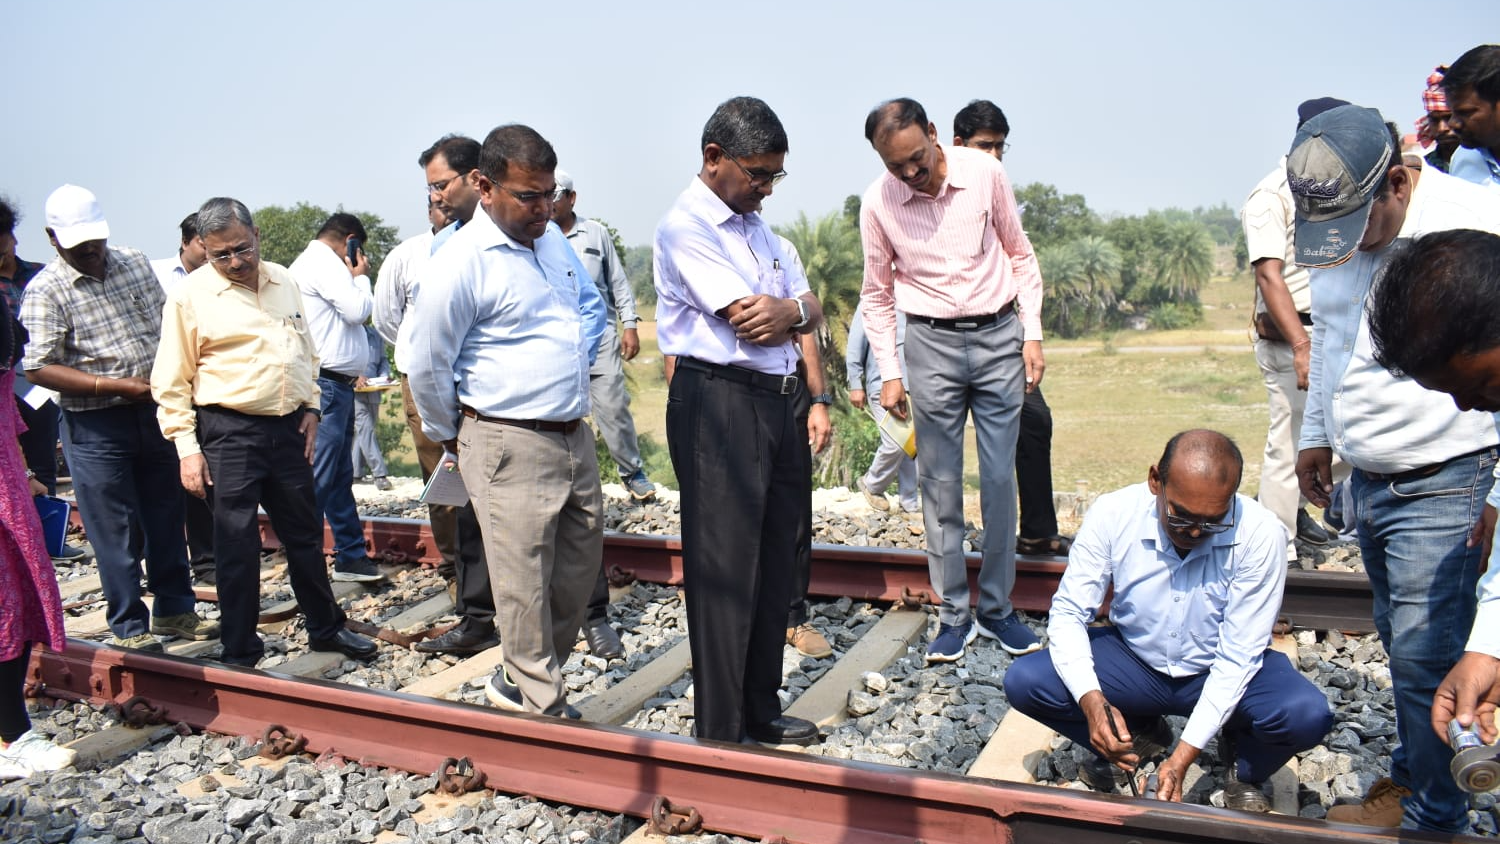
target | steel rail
x=1314, y=600
x=738, y=790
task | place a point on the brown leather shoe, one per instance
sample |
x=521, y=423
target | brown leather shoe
x=1381, y=806
x=808, y=641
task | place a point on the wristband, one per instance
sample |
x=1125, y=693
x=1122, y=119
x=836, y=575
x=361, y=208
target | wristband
x=822, y=398
x=96, y=385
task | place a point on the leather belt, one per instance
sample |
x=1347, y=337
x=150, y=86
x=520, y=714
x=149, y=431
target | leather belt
x=968, y=323
x=546, y=425
x=782, y=384
x=338, y=377
x=1421, y=471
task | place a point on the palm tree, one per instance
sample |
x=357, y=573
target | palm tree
x=834, y=262
x=1184, y=260
x=1099, y=268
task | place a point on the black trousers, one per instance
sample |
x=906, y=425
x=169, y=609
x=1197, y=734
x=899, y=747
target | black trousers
x=39, y=443
x=199, y=515
x=741, y=460
x=259, y=461
x=13, y=718
x=1034, y=468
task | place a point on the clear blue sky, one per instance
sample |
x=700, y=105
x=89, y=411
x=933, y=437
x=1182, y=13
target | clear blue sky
x=158, y=106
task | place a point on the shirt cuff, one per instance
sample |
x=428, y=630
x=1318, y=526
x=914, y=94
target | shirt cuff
x=187, y=445
x=628, y=324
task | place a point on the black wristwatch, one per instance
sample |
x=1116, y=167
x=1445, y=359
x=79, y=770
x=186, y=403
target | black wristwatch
x=822, y=398
x=316, y=411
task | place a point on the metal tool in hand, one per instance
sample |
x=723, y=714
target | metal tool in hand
x=1109, y=713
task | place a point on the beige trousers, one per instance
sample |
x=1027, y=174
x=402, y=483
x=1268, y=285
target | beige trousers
x=540, y=510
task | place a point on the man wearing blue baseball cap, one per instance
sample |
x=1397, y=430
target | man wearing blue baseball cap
x=1422, y=467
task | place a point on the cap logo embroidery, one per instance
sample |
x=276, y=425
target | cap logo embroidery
x=1313, y=188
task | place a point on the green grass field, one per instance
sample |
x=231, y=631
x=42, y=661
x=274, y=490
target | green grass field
x=1113, y=408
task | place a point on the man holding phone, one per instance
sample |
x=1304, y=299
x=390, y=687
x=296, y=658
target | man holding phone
x=332, y=272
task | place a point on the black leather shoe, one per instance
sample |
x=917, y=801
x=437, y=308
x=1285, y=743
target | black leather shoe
x=459, y=641
x=1244, y=796
x=1309, y=531
x=603, y=641
x=349, y=644
x=785, y=730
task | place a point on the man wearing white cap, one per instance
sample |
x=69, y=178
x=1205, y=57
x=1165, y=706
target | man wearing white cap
x=94, y=316
x=1422, y=467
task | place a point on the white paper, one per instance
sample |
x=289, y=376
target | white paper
x=36, y=396
x=446, y=486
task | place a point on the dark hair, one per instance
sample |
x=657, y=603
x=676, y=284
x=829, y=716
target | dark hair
x=1437, y=297
x=1209, y=450
x=978, y=116
x=218, y=214
x=8, y=216
x=1395, y=160
x=744, y=126
x=516, y=144
x=1479, y=69
x=894, y=115
x=189, y=227
x=460, y=151
x=344, y=224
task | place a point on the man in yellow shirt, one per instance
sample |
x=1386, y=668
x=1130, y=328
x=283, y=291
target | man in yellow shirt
x=235, y=386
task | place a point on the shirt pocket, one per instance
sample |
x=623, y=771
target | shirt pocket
x=1206, y=612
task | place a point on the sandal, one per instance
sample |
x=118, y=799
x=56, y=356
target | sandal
x=1056, y=545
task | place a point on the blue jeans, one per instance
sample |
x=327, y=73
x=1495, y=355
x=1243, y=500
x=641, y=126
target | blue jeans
x=124, y=471
x=333, y=471
x=1411, y=536
x=1279, y=715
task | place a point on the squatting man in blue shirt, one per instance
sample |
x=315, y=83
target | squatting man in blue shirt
x=1198, y=572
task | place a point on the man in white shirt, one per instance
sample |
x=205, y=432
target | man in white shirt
x=1421, y=467
x=189, y=256
x=1435, y=316
x=1198, y=572
x=331, y=272
x=200, y=519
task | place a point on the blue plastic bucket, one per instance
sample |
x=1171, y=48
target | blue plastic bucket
x=54, y=513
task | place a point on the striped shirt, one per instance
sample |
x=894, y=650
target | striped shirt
x=108, y=328
x=958, y=254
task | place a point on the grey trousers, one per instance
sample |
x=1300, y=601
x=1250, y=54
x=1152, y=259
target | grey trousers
x=537, y=498
x=611, y=403
x=366, y=449
x=891, y=464
x=950, y=373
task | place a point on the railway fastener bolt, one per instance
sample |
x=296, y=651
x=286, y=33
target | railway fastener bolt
x=459, y=776
x=277, y=742
x=667, y=819
x=619, y=577
x=138, y=712
x=913, y=600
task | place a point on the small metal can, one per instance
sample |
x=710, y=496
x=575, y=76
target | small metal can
x=1475, y=766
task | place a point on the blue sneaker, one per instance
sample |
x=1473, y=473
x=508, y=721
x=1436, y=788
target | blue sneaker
x=1013, y=634
x=504, y=693
x=639, y=487
x=948, y=645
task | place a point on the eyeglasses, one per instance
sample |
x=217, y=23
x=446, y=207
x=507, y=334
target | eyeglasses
x=440, y=186
x=527, y=197
x=757, y=178
x=228, y=258
x=1178, y=523
x=991, y=146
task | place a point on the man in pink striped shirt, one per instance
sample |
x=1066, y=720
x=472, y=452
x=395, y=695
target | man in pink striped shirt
x=943, y=244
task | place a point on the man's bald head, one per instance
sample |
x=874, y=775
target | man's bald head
x=1203, y=454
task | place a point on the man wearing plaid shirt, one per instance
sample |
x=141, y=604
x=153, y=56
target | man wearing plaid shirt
x=94, y=316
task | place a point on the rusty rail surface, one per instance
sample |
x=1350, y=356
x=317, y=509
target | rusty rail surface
x=733, y=789
x=1315, y=600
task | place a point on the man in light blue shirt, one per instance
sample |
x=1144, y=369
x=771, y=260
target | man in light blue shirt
x=1198, y=572
x=1421, y=467
x=499, y=348
x=890, y=461
x=1473, y=88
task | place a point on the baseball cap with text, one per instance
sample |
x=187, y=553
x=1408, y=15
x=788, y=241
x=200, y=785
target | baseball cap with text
x=74, y=216
x=1337, y=163
x=564, y=181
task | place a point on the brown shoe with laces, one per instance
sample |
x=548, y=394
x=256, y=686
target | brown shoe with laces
x=808, y=641
x=1381, y=806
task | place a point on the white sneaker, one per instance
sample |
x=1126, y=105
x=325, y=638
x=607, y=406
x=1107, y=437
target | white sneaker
x=13, y=770
x=36, y=753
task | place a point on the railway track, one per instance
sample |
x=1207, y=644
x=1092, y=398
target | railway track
x=678, y=782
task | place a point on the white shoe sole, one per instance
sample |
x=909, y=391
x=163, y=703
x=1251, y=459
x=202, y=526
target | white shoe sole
x=500, y=701
x=356, y=577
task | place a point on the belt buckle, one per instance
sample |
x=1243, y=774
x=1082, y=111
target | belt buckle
x=965, y=325
x=788, y=384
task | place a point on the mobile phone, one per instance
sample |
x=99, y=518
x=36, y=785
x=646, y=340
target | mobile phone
x=351, y=247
